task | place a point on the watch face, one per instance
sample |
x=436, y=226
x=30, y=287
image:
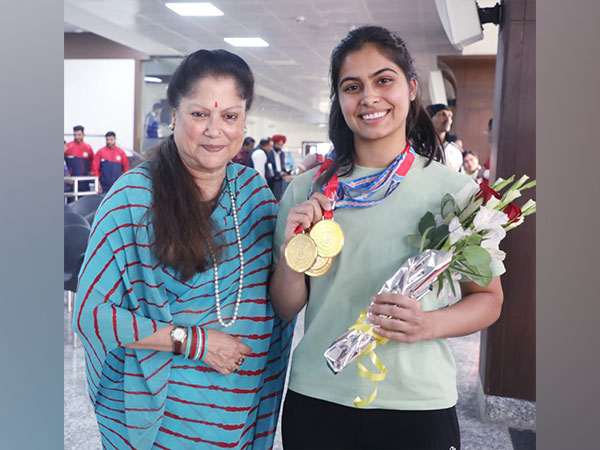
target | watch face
x=179, y=334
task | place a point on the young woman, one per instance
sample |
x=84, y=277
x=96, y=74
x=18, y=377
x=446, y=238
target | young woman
x=380, y=130
x=471, y=166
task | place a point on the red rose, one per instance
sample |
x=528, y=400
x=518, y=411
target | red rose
x=486, y=192
x=512, y=211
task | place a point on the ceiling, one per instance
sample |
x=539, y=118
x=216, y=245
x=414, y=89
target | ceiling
x=291, y=74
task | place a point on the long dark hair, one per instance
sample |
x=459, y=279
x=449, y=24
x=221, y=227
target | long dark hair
x=419, y=129
x=183, y=230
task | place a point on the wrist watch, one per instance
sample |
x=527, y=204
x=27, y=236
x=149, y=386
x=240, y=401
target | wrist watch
x=178, y=336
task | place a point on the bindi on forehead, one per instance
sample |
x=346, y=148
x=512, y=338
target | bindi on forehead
x=216, y=104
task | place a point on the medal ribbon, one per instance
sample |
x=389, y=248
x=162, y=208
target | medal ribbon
x=357, y=193
x=363, y=327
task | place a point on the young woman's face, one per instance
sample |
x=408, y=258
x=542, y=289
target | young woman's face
x=374, y=95
x=209, y=124
x=471, y=163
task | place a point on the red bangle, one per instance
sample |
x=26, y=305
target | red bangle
x=194, y=343
x=203, y=344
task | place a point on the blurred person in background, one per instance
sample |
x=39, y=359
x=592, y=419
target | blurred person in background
x=258, y=159
x=471, y=166
x=309, y=161
x=68, y=184
x=441, y=117
x=182, y=347
x=110, y=162
x=485, y=174
x=277, y=160
x=242, y=156
x=152, y=122
x=79, y=157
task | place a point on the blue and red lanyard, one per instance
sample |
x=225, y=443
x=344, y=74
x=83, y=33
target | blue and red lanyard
x=358, y=193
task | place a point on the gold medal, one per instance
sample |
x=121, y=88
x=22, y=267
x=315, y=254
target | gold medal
x=300, y=252
x=328, y=236
x=320, y=267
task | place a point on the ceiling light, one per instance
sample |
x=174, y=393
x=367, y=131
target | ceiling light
x=194, y=9
x=246, y=42
x=153, y=80
x=282, y=62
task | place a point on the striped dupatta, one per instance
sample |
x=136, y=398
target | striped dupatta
x=146, y=398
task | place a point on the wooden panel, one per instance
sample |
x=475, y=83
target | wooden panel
x=530, y=10
x=514, y=10
x=92, y=46
x=507, y=364
x=137, y=111
x=475, y=93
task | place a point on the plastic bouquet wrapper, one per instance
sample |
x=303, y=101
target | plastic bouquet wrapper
x=414, y=279
x=459, y=243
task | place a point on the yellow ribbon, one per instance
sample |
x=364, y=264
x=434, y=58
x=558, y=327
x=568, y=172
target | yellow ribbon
x=361, y=326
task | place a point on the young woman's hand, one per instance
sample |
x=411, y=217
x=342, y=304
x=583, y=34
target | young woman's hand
x=306, y=214
x=225, y=353
x=408, y=322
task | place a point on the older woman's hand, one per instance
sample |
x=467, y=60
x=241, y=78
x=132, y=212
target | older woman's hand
x=225, y=353
x=407, y=323
x=306, y=214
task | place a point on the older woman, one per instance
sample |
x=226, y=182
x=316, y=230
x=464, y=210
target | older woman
x=182, y=347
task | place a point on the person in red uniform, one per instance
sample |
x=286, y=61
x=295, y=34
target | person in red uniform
x=110, y=162
x=79, y=157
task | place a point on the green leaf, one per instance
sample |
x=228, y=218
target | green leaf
x=476, y=256
x=530, y=211
x=468, y=211
x=438, y=235
x=499, y=185
x=449, y=206
x=424, y=241
x=427, y=221
x=451, y=283
x=414, y=240
x=448, y=218
x=440, y=280
x=474, y=239
x=520, y=182
x=482, y=275
x=529, y=185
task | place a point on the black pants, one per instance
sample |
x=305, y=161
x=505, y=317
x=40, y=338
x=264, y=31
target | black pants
x=309, y=423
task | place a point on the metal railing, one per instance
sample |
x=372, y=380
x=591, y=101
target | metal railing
x=75, y=193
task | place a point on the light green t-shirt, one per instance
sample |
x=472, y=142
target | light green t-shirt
x=420, y=376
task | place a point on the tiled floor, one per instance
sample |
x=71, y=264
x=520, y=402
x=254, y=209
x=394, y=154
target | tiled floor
x=81, y=431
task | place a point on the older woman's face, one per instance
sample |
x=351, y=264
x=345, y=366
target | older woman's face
x=209, y=125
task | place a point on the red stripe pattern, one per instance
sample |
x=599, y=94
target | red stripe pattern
x=145, y=398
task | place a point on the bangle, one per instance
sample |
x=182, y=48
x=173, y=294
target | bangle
x=189, y=342
x=200, y=346
x=204, y=339
x=194, y=343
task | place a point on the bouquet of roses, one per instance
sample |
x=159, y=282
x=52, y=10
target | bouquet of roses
x=471, y=225
x=457, y=243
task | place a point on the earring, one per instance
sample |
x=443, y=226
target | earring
x=245, y=130
x=172, y=126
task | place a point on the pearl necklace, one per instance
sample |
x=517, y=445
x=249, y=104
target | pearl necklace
x=216, y=269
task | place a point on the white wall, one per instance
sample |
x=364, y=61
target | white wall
x=99, y=94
